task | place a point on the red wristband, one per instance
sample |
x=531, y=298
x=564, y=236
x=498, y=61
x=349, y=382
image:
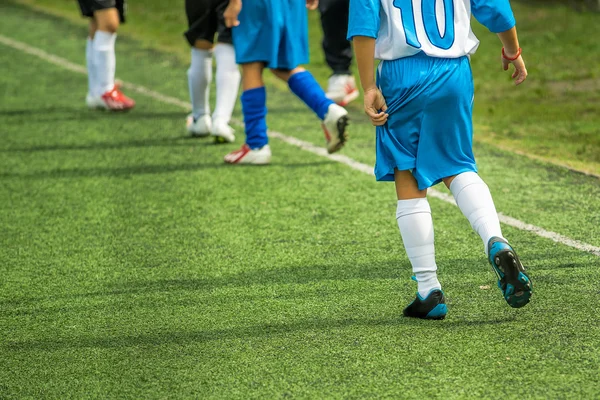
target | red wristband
x=511, y=59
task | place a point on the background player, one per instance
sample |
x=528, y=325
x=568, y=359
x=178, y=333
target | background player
x=205, y=18
x=338, y=50
x=105, y=17
x=274, y=34
x=422, y=107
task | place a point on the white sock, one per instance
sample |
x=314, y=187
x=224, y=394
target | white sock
x=475, y=201
x=104, y=61
x=416, y=228
x=199, y=78
x=228, y=81
x=89, y=61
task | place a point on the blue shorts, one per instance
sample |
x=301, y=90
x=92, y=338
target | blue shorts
x=272, y=31
x=429, y=130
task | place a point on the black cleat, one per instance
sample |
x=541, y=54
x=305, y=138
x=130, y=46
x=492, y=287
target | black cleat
x=513, y=281
x=431, y=307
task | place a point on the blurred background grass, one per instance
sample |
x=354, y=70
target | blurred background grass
x=554, y=116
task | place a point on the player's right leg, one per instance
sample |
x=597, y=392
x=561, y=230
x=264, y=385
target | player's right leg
x=475, y=201
x=227, y=79
x=334, y=117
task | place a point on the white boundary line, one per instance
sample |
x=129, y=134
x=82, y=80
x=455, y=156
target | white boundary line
x=306, y=146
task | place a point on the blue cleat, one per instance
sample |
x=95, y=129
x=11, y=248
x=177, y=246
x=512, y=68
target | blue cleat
x=431, y=307
x=514, y=283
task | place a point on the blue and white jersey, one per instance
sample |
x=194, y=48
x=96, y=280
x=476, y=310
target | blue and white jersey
x=439, y=28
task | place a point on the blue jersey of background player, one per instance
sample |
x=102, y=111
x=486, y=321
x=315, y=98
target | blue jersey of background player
x=422, y=107
x=274, y=34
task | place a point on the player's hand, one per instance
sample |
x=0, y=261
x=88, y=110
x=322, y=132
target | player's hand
x=231, y=13
x=312, y=4
x=375, y=106
x=520, y=73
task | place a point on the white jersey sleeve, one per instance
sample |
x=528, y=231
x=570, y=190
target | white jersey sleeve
x=439, y=28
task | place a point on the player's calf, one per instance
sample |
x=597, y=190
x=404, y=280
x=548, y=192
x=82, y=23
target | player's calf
x=335, y=118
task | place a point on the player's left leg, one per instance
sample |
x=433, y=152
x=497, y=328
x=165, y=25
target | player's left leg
x=334, y=117
x=413, y=215
x=199, y=76
x=256, y=150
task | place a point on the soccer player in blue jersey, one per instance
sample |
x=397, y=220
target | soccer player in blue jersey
x=274, y=34
x=421, y=105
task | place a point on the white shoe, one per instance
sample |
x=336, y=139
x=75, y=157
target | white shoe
x=222, y=132
x=342, y=89
x=94, y=102
x=335, y=127
x=246, y=155
x=200, y=127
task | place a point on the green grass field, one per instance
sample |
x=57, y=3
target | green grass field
x=135, y=264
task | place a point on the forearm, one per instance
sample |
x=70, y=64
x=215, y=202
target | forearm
x=364, y=48
x=510, y=41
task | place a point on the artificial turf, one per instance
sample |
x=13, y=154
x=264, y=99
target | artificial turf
x=135, y=264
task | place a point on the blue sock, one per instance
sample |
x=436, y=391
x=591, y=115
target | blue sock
x=254, y=108
x=304, y=85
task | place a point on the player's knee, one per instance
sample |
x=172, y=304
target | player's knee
x=110, y=27
x=283, y=74
x=93, y=27
x=107, y=20
x=203, y=44
x=448, y=180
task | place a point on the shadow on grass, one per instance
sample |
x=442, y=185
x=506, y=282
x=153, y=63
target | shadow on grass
x=56, y=114
x=254, y=331
x=160, y=142
x=110, y=172
x=300, y=274
x=142, y=170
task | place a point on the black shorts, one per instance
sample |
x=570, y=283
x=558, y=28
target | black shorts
x=89, y=7
x=205, y=19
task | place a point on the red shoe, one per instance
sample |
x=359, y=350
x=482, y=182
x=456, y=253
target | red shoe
x=115, y=100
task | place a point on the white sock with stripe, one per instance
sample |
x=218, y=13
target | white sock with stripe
x=199, y=78
x=104, y=61
x=416, y=227
x=474, y=199
x=228, y=81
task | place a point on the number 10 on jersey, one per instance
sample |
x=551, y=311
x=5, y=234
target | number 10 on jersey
x=430, y=22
